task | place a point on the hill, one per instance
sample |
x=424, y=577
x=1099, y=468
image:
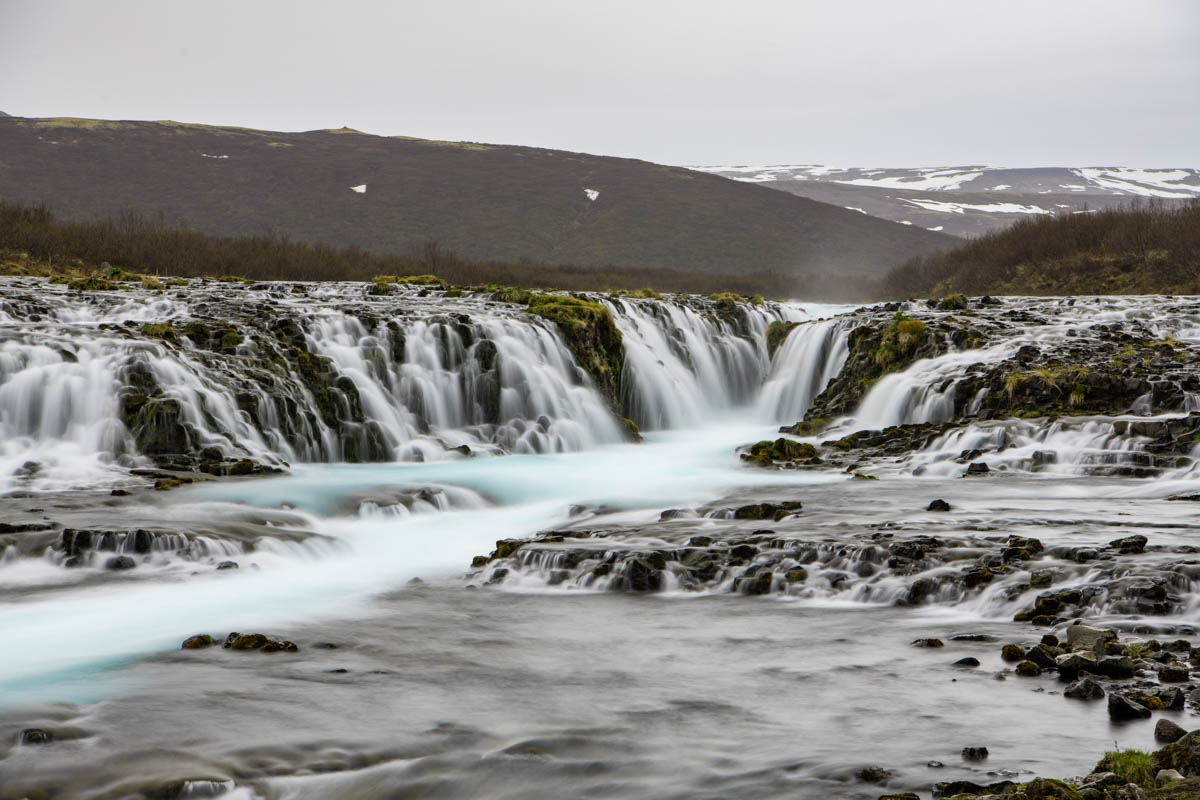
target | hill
x=490, y=202
x=1138, y=249
x=971, y=201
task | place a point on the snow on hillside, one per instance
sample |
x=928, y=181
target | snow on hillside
x=1165, y=183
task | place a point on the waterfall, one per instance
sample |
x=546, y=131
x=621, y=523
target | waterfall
x=810, y=357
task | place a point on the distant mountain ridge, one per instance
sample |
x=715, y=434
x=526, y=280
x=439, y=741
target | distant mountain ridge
x=391, y=194
x=971, y=200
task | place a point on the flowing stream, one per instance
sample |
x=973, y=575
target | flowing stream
x=471, y=422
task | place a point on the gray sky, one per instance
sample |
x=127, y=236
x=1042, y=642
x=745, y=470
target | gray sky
x=844, y=82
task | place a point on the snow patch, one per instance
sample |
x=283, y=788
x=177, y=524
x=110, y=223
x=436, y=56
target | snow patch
x=206, y=155
x=947, y=207
x=1144, y=182
x=931, y=180
x=361, y=188
x=855, y=208
x=592, y=194
x=905, y=222
x=938, y=228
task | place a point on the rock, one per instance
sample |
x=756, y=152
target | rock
x=1167, y=731
x=1028, y=669
x=1174, y=673
x=246, y=641
x=873, y=775
x=1182, y=755
x=974, y=753
x=1166, y=776
x=978, y=468
x=1129, y=545
x=1042, y=656
x=1118, y=667
x=928, y=643
x=227, y=565
x=1084, y=637
x=1084, y=689
x=938, y=505
x=280, y=646
x=969, y=661
x=36, y=736
x=905, y=796
x=1070, y=665
x=1012, y=653
x=952, y=788
x=1047, y=789
x=197, y=642
x=120, y=563
x=1122, y=709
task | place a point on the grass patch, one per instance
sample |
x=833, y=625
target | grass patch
x=1133, y=766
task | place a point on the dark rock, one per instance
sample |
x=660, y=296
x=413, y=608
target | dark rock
x=1167, y=731
x=1012, y=653
x=938, y=505
x=1069, y=666
x=227, y=565
x=1042, y=656
x=974, y=753
x=969, y=661
x=873, y=775
x=978, y=468
x=1182, y=755
x=1130, y=545
x=1084, y=689
x=1122, y=709
x=197, y=642
x=36, y=736
x=1118, y=667
x=1174, y=673
x=247, y=641
x=1028, y=669
x=928, y=643
x=120, y=563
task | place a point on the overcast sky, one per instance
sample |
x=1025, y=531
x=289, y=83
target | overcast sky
x=849, y=83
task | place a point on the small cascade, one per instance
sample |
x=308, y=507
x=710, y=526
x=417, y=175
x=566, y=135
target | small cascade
x=683, y=367
x=809, y=358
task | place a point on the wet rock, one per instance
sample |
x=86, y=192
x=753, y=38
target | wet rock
x=197, y=642
x=1182, y=755
x=928, y=643
x=974, y=753
x=247, y=641
x=280, y=646
x=1129, y=545
x=1012, y=653
x=36, y=736
x=1084, y=637
x=905, y=796
x=1028, y=669
x=227, y=565
x=978, y=468
x=1167, y=731
x=938, y=505
x=1123, y=709
x=1043, y=656
x=1174, y=673
x=118, y=563
x=953, y=788
x=1070, y=665
x=1118, y=667
x=969, y=661
x=873, y=775
x=1084, y=689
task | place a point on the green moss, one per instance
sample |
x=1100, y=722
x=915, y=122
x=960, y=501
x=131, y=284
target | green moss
x=160, y=330
x=1133, y=766
x=93, y=283
x=454, y=292
x=411, y=280
x=231, y=339
x=777, y=332
x=510, y=294
x=591, y=336
x=952, y=302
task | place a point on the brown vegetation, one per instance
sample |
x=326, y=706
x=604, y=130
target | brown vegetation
x=148, y=245
x=1143, y=248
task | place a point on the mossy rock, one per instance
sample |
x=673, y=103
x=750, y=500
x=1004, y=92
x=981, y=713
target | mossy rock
x=777, y=333
x=590, y=334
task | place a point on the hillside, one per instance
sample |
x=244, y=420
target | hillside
x=1138, y=249
x=971, y=201
x=389, y=195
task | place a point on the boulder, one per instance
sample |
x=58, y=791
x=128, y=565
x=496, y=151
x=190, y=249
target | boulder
x=1167, y=731
x=197, y=642
x=118, y=563
x=1085, y=637
x=1174, y=673
x=1129, y=545
x=1182, y=755
x=1118, y=667
x=36, y=736
x=1123, y=709
x=974, y=753
x=938, y=505
x=1070, y=665
x=873, y=775
x=1084, y=689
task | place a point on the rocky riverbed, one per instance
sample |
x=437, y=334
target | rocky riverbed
x=906, y=550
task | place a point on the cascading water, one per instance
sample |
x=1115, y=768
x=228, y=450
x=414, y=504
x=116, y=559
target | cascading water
x=810, y=357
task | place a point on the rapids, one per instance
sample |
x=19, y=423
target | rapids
x=530, y=674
